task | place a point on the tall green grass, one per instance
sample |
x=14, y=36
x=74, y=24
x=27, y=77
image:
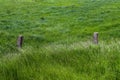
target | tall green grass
x=76, y=61
x=45, y=22
x=58, y=40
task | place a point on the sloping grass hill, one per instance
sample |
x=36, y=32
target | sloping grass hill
x=58, y=39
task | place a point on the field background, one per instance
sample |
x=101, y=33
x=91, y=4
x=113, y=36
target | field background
x=58, y=39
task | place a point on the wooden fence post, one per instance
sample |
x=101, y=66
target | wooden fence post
x=20, y=41
x=95, y=37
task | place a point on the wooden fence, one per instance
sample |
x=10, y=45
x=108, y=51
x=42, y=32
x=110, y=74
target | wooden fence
x=20, y=39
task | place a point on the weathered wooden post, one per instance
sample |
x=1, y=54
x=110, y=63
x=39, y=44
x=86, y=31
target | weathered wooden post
x=95, y=37
x=20, y=41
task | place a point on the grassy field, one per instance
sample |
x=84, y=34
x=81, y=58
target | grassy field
x=58, y=39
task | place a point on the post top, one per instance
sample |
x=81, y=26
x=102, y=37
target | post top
x=96, y=32
x=20, y=35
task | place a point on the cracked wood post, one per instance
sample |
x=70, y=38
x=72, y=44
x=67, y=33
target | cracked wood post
x=95, y=37
x=20, y=41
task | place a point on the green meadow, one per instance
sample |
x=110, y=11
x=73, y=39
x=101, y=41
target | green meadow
x=58, y=40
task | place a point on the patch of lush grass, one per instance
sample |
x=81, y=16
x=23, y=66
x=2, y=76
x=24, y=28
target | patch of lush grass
x=58, y=40
x=76, y=61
